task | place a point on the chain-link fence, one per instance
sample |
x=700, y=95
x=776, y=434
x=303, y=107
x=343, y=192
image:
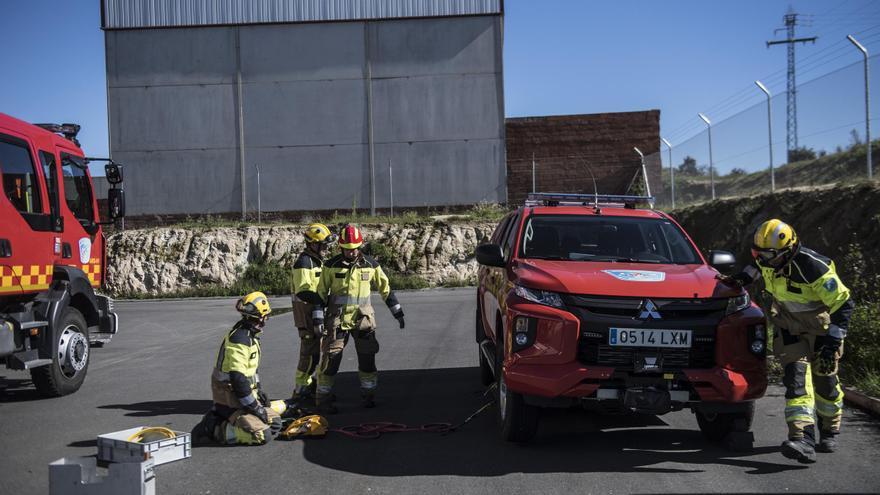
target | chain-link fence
x=831, y=143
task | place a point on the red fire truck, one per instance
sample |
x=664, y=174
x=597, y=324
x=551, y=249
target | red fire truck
x=52, y=255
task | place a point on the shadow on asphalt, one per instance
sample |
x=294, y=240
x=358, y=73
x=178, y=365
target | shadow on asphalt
x=18, y=390
x=569, y=441
x=163, y=407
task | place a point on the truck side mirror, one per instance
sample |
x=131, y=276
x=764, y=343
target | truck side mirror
x=113, y=171
x=723, y=261
x=115, y=203
x=490, y=255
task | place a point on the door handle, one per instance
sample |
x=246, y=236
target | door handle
x=5, y=248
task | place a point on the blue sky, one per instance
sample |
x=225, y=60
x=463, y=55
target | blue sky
x=560, y=57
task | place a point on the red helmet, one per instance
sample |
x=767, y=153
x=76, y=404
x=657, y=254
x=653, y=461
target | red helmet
x=350, y=237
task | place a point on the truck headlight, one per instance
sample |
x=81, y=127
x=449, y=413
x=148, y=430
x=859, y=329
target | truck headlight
x=738, y=303
x=539, y=296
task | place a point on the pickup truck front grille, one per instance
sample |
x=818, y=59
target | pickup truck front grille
x=599, y=314
x=596, y=352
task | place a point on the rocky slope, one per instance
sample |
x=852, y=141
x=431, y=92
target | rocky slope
x=840, y=222
x=168, y=260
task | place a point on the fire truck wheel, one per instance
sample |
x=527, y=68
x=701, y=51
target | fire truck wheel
x=716, y=426
x=68, y=347
x=518, y=420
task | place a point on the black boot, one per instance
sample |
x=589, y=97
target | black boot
x=205, y=432
x=324, y=404
x=801, y=449
x=827, y=442
x=368, y=399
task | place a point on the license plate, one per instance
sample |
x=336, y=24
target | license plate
x=649, y=337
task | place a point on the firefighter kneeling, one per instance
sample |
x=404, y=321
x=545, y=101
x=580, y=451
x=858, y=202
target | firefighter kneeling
x=242, y=413
x=808, y=312
x=344, y=287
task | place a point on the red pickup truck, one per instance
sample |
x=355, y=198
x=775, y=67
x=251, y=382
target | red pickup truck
x=586, y=300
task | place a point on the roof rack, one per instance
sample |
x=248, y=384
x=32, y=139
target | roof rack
x=595, y=200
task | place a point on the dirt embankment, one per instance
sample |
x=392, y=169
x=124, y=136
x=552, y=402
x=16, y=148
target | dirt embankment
x=841, y=222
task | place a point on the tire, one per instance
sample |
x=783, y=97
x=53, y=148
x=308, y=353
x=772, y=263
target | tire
x=486, y=375
x=716, y=426
x=518, y=421
x=68, y=347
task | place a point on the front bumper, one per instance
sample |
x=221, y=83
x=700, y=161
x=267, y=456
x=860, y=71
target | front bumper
x=553, y=366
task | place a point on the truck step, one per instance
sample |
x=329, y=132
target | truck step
x=27, y=325
x=487, y=347
x=36, y=363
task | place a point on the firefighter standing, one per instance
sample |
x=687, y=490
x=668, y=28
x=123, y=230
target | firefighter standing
x=306, y=273
x=242, y=413
x=345, y=285
x=808, y=313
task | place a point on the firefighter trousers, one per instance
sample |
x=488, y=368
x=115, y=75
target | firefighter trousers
x=309, y=357
x=808, y=394
x=242, y=428
x=366, y=345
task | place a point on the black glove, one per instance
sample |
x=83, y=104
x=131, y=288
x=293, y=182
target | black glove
x=258, y=410
x=827, y=349
x=738, y=280
x=399, y=316
x=276, y=426
x=263, y=398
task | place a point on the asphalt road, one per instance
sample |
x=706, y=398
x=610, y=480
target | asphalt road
x=156, y=372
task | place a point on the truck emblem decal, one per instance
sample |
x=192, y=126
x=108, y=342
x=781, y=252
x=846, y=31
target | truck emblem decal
x=85, y=250
x=637, y=275
x=649, y=311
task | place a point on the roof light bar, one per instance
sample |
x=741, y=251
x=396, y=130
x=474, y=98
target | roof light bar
x=571, y=199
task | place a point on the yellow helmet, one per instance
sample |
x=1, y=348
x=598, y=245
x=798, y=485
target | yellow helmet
x=254, y=305
x=774, y=239
x=318, y=232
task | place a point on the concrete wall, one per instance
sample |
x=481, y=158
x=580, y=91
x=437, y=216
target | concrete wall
x=437, y=113
x=567, y=148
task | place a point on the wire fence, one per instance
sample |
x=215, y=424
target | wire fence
x=733, y=157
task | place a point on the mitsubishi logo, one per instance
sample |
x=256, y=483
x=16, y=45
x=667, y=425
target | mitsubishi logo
x=649, y=311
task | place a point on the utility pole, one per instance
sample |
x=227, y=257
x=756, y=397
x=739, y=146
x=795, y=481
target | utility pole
x=791, y=20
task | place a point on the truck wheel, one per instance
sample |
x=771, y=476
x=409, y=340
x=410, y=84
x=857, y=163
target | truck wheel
x=716, y=426
x=68, y=347
x=518, y=420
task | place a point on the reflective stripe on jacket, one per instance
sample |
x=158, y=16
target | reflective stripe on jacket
x=347, y=285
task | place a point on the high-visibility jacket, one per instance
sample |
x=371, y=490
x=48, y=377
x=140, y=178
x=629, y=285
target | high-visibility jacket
x=236, y=367
x=808, y=283
x=345, y=288
x=303, y=286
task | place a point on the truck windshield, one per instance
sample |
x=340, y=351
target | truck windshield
x=606, y=238
x=77, y=188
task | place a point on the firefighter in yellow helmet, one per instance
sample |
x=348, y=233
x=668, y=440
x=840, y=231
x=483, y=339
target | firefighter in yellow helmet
x=304, y=283
x=808, y=312
x=344, y=287
x=242, y=413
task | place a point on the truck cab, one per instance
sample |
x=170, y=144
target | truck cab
x=52, y=255
x=587, y=301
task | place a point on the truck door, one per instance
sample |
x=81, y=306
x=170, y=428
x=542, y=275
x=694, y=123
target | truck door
x=25, y=225
x=82, y=241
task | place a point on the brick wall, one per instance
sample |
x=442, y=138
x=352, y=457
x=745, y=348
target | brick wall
x=563, y=144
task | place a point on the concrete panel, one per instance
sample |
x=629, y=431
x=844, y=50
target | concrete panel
x=441, y=173
x=294, y=52
x=172, y=118
x=434, y=46
x=437, y=108
x=309, y=178
x=170, y=56
x=168, y=182
x=305, y=113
